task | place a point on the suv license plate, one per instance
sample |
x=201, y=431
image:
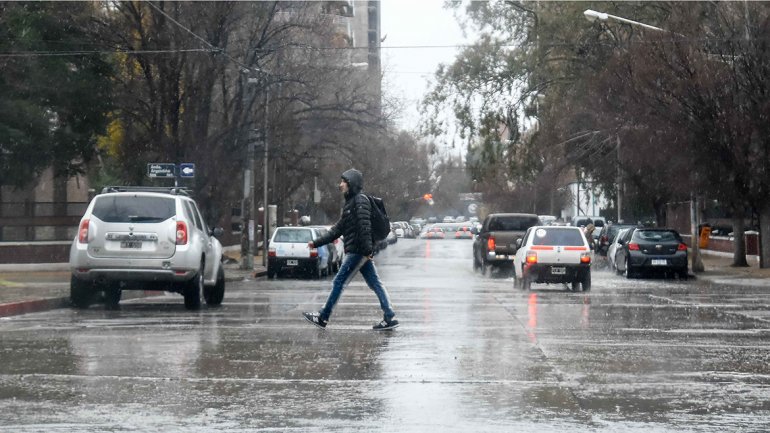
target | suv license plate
x=659, y=262
x=131, y=244
x=558, y=270
x=291, y=263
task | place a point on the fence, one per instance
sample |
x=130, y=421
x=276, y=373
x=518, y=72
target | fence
x=29, y=221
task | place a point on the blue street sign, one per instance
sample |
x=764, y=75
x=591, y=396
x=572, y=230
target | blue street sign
x=187, y=169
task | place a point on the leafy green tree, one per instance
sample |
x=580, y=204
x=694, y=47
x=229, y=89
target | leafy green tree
x=53, y=101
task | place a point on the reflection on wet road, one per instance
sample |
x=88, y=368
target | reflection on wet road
x=473, y=354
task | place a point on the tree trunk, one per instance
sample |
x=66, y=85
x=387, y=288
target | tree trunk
x=739, y=242
x=764, y=233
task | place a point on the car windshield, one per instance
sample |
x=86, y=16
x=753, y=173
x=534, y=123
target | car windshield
x=656, y=236
x=558, y=236
x=512, y=223
x=293, y=236
x=133, y=209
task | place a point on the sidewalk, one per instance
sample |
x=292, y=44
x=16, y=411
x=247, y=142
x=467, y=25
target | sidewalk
x=32, y=288
x=40, y=287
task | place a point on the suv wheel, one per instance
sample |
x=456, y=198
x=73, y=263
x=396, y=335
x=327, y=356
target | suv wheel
x=81, y=292
x=112, y=298
x=193, y=290
x=214, y=295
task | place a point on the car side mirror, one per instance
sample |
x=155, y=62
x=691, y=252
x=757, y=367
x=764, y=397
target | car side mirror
x=217, y=232
x=518, y=242
x=621, y=242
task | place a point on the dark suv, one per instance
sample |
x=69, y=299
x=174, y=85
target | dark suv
x=495, y=244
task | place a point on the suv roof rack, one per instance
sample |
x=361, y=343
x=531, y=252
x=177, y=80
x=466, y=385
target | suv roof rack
x=175, y=190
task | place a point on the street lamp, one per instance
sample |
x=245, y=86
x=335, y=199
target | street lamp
x=592, y=15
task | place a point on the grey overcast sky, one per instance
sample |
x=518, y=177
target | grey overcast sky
x=415, y=23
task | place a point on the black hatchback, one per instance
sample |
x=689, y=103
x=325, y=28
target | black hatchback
x=647, y=250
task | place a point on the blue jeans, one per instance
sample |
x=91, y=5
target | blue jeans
x=352, y=264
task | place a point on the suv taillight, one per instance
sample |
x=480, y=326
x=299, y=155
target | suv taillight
x=181, y=233
x=83, y=232
x=491, y=243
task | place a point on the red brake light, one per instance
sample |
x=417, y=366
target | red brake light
x=681, y=247
x=181, y=233
x=271, y=252
x=531, y=257
x=314, y=252
x=83, y=232
x=491, y=244
x=633, y=246
x=585, y=258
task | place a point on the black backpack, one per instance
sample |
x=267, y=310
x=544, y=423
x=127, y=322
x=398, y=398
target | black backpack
x=379, y=218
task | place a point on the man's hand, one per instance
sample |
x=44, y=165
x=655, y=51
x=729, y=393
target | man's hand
x=311, y=244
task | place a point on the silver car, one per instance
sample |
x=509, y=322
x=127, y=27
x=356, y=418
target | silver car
x=143, y=238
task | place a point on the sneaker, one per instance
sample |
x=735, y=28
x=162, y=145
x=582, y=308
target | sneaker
x=385, y=325
x=315, y=319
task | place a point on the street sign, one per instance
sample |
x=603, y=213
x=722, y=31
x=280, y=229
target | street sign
x=187, y=169
x=161, y=170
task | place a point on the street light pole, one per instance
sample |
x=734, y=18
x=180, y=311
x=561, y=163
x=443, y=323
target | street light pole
x=265, y=213
x=619, y=181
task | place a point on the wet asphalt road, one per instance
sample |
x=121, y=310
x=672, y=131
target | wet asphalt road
x=473, y=355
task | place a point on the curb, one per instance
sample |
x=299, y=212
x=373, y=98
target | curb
x=33, y=306
x=47, y=304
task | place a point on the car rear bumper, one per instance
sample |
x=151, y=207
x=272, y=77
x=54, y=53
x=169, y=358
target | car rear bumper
x=500, y=258
x=88, y=268
x=652, y=262
x=283, y=263
x=556, y=273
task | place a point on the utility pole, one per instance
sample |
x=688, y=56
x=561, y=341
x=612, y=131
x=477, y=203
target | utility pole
x=620, y=183
x=265, y=219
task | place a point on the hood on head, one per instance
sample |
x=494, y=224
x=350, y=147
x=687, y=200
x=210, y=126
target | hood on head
x=355, y=180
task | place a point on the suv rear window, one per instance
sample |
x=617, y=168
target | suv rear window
x=561, y=237
x=656, y=236
x=293, y=236
x=512, y=223
x=133, y=209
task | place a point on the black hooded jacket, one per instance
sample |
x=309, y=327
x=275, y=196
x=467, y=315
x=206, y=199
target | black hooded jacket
x=355, y=223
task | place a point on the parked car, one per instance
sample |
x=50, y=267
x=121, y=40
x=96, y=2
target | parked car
x=607, y=235
x=336, y=250
x=551, y=254
x=495, y=243
x=288, y=251
x=614, y=244
x=145, y=238
x=644, y=250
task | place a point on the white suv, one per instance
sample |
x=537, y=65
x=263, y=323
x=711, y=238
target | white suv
x=553, y=254
x=145, y=238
